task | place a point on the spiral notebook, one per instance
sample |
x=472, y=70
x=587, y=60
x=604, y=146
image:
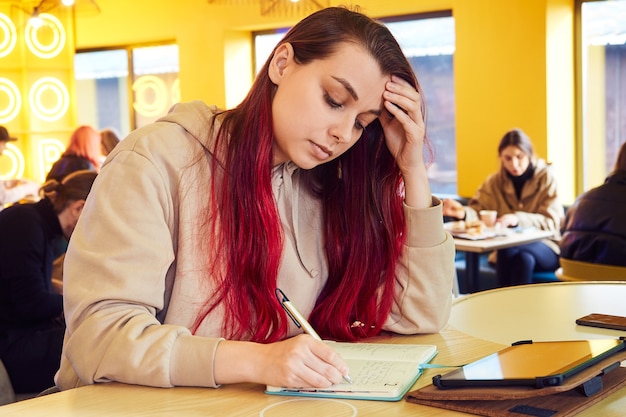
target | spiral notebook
x=379, y=371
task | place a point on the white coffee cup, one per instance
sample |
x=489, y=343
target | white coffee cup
x=488, y=217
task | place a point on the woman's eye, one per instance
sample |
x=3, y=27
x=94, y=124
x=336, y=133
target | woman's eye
x=332, y=103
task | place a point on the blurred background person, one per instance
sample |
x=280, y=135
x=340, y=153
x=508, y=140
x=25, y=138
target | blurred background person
x=109, y=138
x=595, y=225
x=31, y=313
x=83, y=152
x=12, y=191
x=524, y=193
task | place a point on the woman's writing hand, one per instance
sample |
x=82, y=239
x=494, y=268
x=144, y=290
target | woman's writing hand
x=300, y=361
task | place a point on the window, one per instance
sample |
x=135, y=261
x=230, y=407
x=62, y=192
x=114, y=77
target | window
x=428, y=41
x=603, y=110
x=109, y=95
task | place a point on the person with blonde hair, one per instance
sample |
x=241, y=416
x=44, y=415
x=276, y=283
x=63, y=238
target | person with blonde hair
x=31, y=312
x=82, y=152
x=109, y=139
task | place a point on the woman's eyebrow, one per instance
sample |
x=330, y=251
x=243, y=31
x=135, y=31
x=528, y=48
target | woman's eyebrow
x=353, y=93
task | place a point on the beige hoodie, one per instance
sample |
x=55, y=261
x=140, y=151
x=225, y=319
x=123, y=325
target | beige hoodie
x=132, y=285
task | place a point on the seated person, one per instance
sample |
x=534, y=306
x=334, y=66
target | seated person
x=83, y=152
x=524, y=194
x=12, y=191
x=31, y=312
x=595, y=226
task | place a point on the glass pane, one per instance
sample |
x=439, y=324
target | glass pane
x=102, y=89
x=264, y=44
x=155, y=82
x=429, y=44
x=604, y=87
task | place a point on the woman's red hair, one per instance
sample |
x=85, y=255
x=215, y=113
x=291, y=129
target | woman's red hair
x=360, y=192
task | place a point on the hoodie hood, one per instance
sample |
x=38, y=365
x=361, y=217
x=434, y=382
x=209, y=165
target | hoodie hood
x=196, y=118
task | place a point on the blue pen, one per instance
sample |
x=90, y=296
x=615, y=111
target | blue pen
x=300, y=321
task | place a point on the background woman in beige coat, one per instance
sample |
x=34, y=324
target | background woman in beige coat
x=524, y=193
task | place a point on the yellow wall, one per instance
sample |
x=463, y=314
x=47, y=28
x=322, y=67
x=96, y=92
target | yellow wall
x=513, y=64
x=36, y=89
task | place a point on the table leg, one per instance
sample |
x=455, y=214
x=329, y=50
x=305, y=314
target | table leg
x=472, y=271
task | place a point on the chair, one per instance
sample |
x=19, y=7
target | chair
x=585, y=271
x=7, y=395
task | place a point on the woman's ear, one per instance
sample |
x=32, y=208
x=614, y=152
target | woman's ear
x=282, y=58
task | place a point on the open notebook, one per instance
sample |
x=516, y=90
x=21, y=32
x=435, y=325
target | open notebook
x=379, y=371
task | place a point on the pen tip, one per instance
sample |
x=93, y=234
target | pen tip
x=347, y=378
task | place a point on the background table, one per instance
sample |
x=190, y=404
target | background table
x=539, y=312
x=473, y=249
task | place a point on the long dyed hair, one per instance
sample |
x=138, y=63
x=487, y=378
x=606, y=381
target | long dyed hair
x=361, y=193
x=85, y=142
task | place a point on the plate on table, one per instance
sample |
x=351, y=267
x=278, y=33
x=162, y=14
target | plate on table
x=475, y=231
x=473, y=236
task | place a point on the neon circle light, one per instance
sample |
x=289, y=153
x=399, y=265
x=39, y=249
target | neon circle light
x=58, y=37
x=8, y=38
x=176, y=91
x=15, y=100
x=142, y=87
x=49, y=114
x=17, y=162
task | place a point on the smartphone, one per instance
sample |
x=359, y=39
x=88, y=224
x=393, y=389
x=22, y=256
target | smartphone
x=604, y=321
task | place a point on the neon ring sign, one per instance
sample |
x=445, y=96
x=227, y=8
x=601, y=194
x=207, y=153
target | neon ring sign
x=14, y=100
x=142, y=87
x=17, y=162
x=8, y=38
x=40, y=106
x=55, y=27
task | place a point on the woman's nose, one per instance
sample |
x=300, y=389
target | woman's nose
x=343, y=130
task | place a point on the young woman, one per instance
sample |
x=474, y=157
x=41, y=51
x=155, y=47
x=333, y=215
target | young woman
x=524, y=193
x=31, y=313
x=83, y=152
x=314, y=184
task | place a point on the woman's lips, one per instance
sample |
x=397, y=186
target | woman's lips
x=321, y=152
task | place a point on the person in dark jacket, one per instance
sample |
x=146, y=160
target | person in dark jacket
x=595, y=225
x=83, y=152
x=31, y=313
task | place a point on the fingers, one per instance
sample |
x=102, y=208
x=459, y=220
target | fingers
x=304, y=362
x=402, y=100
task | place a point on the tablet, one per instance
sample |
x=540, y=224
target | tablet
x=538, y=364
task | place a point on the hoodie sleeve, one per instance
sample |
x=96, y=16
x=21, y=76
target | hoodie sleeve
x=425, y=274
x=119, y=272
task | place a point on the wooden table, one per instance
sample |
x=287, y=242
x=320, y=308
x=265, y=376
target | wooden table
x=517, y=310
x=239, y=400
x=474, y=248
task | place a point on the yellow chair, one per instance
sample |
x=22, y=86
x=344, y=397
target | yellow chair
x=585, y=271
